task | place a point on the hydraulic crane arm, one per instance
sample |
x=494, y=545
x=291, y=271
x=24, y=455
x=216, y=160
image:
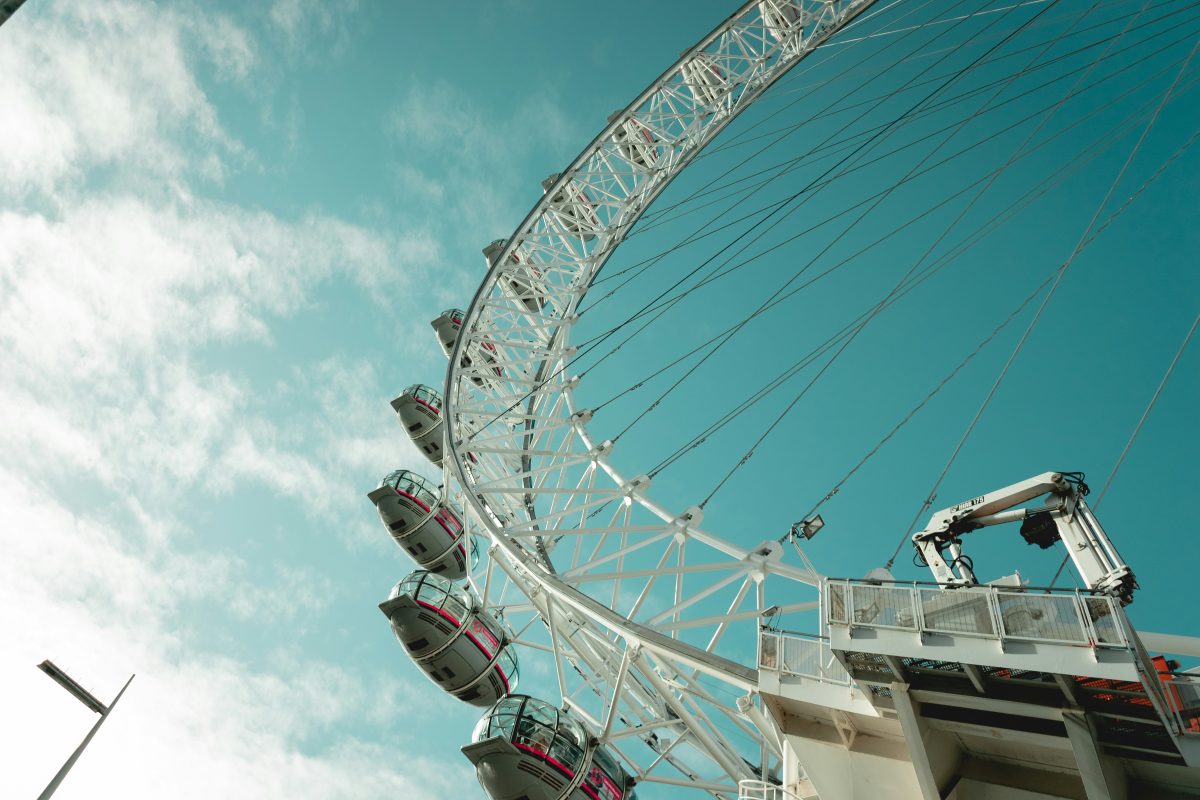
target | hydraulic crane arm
x=1063, y=516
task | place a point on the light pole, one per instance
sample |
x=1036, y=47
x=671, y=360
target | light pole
x=88, y=699
x=8, y=8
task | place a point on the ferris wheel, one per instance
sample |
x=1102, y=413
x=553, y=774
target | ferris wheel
x=574, y=546
x=537, y=540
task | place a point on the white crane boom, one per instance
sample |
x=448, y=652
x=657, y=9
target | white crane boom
x=1063, y=516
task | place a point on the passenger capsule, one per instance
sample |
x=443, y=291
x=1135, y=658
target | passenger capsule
x=526, y=748
x=781, y=18
x=420, y=410
x=574, y=210
x=705, y=78
x=448, y=326
x=463, y=649
x=520, y=279
x=636, y=144
x=430, y=530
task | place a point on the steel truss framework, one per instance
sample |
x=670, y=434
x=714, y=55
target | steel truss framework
x=637, y=599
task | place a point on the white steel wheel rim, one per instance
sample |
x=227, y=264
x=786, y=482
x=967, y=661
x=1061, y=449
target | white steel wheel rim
x=528, y=416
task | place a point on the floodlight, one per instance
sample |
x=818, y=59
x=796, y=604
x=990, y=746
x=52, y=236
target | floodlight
x=808, y=527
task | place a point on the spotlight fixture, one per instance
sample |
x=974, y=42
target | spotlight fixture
x=808, y=527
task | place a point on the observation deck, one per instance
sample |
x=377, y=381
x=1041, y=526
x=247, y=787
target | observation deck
x=983, y=692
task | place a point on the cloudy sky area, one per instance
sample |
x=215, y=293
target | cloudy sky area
x=222, y=234
x=210, y=285
x=223, y=231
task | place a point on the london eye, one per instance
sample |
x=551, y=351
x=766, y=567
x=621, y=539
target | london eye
x=912, y=138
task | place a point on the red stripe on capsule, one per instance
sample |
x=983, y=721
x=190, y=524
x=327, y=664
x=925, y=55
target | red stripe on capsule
x=441, y=518
x=430, y=406
x=544, y=757
x=482, y=649
x=413, y=498
x=441, y=612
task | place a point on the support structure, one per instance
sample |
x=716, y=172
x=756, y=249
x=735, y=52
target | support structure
x=982, y=692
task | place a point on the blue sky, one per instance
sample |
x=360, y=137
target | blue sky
x=222, y=234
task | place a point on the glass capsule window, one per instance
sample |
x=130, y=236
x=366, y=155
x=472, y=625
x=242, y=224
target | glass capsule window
x=436, y=591
x=569, y=744
x=508, y=665
x=605, y=778
x=543, y=714
x=451, y=518
x=536, y=727
x=606, y=762
x=413, y=484
x=500, y=720
x=456, y=315
x=424, y=394
x=490, y=631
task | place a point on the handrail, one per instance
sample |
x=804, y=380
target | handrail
x=1067, y=616
x=761, y=790
x=813, y=659
x=816, y=637
x=948, y=586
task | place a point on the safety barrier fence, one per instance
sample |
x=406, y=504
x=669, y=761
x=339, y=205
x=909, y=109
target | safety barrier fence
x=1182, y=691
x=1063, y=617
x=761, y=790
x=1060, y=617
x=801, y=655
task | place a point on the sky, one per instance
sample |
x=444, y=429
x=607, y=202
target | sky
x=223, y=230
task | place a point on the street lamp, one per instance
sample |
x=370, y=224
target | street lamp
x=88, y=699
x=8, y=8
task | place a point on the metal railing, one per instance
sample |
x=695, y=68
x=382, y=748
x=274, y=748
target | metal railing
x=1061, y=617
x=761, y=790
x=801, y=655
x=1182, y=694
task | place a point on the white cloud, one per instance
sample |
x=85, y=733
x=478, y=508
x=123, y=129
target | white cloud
x=106, y=304
x=230, y=47
x=118, y=279
x=192, y=724
x=89, y=86
x=315, y=23
x=117, y=269
x=440, y=115
x=457, y=160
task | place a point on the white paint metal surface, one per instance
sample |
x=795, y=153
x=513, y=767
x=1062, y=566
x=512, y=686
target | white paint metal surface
x=559, y=518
